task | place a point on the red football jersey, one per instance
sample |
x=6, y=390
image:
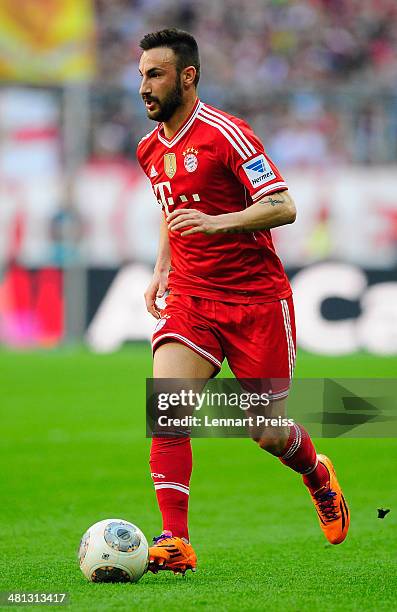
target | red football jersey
x=215, y=163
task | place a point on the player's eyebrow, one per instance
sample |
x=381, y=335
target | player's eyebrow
x=150, y=71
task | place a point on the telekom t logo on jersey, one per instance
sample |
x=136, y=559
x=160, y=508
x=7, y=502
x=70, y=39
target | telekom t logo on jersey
x=164, y=197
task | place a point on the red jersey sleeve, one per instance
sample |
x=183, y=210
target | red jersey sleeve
x=141, y=151
x=246, y=157
x=139, y=156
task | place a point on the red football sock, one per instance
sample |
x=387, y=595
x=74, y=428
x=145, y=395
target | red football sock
x=300, y=455
x=171, y=467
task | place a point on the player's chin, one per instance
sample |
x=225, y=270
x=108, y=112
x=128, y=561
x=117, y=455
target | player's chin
x=154, y=114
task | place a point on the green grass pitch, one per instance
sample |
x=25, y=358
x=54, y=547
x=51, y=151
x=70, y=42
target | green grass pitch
x=73, y=452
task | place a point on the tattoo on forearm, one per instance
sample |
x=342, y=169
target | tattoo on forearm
x=278, y=198
x=273, y=202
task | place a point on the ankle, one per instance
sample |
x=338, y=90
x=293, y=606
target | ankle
x=317, y=479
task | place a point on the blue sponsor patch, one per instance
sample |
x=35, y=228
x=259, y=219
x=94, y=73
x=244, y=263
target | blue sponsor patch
x=258, y=166
x=258, y=171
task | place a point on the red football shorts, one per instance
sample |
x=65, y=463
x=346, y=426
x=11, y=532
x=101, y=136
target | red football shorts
x=258, y=340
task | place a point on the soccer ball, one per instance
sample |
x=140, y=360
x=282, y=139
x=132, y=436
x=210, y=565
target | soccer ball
x=113, y=550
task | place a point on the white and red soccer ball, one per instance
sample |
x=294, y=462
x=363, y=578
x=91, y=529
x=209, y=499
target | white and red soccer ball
x=113, y=550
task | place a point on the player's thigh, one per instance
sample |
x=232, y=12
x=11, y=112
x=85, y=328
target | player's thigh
x=175, y=360
x=177, y=369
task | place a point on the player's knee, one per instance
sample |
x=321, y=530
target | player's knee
x=273, y=442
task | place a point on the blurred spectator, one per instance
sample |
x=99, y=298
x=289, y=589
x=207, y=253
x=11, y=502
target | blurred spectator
x=66, y=230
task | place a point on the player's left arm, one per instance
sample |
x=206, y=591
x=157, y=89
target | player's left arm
x=272, y=210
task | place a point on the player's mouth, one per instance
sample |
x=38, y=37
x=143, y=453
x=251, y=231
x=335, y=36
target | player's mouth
x=150, y=104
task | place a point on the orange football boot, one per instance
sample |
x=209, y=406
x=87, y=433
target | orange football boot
x=169, y=553
x=331, y=506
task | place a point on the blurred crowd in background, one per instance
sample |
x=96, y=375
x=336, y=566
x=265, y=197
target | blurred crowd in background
x=317, y=79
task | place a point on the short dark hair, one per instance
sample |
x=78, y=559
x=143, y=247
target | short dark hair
x=182, y=43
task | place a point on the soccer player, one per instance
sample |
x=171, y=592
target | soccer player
x=229, y=296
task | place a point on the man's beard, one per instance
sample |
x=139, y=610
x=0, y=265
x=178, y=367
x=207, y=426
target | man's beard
x=169, y=105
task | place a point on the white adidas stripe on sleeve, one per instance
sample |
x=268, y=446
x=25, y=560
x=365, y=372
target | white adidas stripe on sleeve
x=229, y=129
x=234, y=126
x=225, y=133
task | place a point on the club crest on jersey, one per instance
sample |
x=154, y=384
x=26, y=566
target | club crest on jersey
x=170, y=164
x=259, y=171
x=190, y=161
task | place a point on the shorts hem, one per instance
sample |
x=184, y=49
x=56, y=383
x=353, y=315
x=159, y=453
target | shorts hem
x=280, y=395
x=194, y=347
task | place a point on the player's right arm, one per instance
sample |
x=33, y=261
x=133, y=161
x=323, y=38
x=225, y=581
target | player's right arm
x=159, y=283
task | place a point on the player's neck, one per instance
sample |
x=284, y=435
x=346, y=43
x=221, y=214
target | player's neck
x=179, y=117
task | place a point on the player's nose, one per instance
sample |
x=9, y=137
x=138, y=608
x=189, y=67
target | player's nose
x=144, y=88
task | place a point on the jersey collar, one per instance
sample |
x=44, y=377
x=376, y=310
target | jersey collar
x=182, y=130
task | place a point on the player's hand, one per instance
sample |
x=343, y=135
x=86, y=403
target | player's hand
x=156, y=289
x=197, y=221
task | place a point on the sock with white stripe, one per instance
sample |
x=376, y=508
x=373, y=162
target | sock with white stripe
x=171, y=468
x=300, y=455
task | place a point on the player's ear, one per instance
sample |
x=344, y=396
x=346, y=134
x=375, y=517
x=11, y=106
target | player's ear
x=188, y=76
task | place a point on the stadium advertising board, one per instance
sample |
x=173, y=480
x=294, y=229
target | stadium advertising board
x=340, y=308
